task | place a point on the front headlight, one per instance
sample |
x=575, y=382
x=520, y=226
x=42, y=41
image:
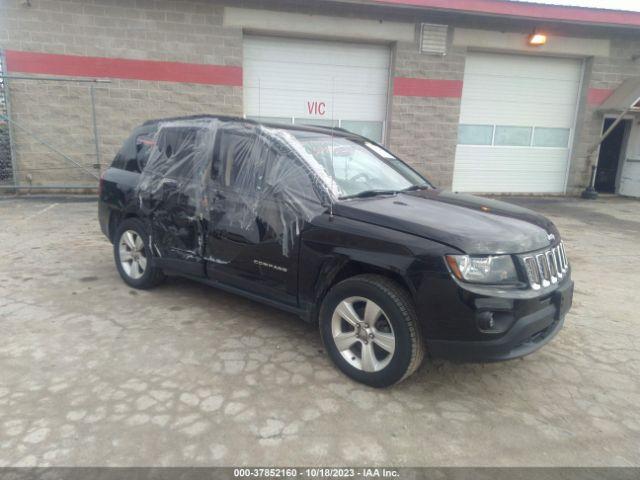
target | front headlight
x=491, y=269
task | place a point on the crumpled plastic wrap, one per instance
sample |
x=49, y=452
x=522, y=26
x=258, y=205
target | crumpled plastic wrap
x=177, y=165
x=245, y=180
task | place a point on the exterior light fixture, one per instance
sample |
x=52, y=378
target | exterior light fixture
x=537, y=39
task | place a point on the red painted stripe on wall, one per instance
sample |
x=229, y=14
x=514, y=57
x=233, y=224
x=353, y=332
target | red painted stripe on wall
x=595, y=96
x=100, y=67
x=529, y=10
x=426, y=87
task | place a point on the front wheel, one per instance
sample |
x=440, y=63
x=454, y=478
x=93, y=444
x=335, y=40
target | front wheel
x=133, y=256
x=370, y=330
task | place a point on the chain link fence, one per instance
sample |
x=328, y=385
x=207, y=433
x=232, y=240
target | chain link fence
x=58, y=133
x=6, y=170
x=48, y=133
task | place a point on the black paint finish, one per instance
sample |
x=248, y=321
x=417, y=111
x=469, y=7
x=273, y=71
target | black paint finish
x=404, y=236
x=472, y=224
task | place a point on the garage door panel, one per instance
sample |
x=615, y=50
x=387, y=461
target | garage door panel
x=522, y=66
x=512, y=159
x=548, y=115
x=317, y=78
x=480, y=171
x=546, y=91
x=485, y=183
x=509, y=170
x=294, y=104
x=314, y=79
x=315, y=52
x=516, y=91
x=545, y=182
x=558, y=116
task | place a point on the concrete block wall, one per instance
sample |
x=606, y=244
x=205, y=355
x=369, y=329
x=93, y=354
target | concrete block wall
x=60, y=112
x=424, y=129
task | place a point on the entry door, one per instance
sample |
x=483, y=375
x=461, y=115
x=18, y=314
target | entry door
x=611, y=156
x=630, y=176
x=317, y=82
x=516, y=123
x=251, y=241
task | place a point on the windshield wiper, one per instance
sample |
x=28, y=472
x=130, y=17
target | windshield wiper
x=415, y=187
x=369, y=193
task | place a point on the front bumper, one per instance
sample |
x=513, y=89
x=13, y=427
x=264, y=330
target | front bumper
x=526, y=335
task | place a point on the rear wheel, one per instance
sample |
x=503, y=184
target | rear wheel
x=133, y=256
x=370, y=330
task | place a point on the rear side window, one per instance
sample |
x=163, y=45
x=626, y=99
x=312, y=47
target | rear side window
x=134, y=153
x=240, y=161
x=177, y=151
x=144, y=143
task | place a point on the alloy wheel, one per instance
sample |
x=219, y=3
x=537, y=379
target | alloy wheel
x=363, y=334
x=132, y=255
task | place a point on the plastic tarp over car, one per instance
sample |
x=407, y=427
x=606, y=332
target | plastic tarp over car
x=239, y=178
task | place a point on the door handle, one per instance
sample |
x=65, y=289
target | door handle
x=235, y=238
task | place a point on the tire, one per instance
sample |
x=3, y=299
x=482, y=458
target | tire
x=131, y=238
x=373, y=330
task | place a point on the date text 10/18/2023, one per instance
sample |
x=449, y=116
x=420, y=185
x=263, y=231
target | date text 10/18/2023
x=316, y=472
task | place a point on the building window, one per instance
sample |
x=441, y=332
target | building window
x=551, y=137
x=510, y=136
x=368, y=129
x=316, y=122
x=372, y=130
x=513, y=136
x=475, y=134
x=283, y=120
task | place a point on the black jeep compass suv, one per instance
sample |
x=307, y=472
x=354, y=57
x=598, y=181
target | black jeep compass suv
x=337, y=229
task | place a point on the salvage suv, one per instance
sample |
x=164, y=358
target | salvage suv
x=333, y=227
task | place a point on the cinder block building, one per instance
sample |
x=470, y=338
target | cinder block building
x=479, y=95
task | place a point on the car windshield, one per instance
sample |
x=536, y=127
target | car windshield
x=357, y=168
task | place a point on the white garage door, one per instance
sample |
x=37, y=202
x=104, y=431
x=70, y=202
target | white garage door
x=516, y=123
x=317, y=82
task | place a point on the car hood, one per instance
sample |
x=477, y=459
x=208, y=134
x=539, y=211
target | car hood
x=472, y=224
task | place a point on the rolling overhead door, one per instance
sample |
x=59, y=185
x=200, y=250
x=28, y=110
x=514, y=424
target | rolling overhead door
x=317, y=82
x=516, y=123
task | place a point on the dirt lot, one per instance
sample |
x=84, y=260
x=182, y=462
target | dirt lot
x=95, y=373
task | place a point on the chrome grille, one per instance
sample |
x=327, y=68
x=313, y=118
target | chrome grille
x=547, y=267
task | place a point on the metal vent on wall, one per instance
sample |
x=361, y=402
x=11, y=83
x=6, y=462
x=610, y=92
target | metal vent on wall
x=433, y=38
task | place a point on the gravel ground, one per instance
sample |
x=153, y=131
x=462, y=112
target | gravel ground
x=95, y=373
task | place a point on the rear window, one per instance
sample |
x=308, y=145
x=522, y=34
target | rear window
x=134, y=154
x=144, y=144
